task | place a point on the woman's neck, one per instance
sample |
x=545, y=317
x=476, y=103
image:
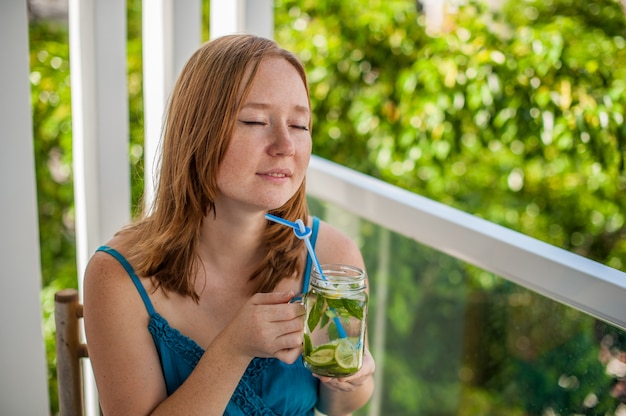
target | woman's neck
x=232, y=245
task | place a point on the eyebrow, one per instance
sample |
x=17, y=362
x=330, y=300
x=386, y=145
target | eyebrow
x=298, y=108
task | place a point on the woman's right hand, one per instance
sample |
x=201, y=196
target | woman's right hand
x=269, y=326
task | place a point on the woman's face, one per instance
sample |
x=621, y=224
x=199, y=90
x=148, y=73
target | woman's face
x=266, y=160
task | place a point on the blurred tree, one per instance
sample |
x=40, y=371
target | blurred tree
x=515, y=116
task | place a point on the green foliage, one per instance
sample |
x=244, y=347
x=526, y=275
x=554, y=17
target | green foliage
x=135, y=96
x=52, y=129
x=517, y=117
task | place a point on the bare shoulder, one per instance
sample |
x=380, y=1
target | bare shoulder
x=102, y=267
x=105, y=277
x=335, y=246
x=110, y=294
x=121, y=349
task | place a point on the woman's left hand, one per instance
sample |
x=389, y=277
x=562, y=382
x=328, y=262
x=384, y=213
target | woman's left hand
x=353, y=382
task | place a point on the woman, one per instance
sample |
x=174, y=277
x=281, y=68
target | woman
x=187, y=309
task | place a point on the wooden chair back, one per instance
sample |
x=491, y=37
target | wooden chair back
x=70, y=352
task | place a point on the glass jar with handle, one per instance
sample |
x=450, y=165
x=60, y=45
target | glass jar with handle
x=335, y=321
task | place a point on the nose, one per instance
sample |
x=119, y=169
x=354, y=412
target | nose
x=282, y=142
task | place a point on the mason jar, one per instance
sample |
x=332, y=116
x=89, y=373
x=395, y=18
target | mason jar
x=335, y=320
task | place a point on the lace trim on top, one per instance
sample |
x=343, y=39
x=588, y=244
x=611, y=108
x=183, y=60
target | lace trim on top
x=187, y=349
x=245, y=397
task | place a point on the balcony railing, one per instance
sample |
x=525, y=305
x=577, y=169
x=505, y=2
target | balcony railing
x=573, y=280
x=446, y=287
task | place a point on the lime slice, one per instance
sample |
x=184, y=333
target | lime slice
x=346, y=354
x=324, y=355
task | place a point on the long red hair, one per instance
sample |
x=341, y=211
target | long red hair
x=199, y=123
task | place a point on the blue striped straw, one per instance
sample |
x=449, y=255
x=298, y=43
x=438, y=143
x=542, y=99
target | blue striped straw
x=304, y=233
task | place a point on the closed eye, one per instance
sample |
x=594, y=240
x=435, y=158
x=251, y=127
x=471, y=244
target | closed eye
x=253, y=123
x=263, y=123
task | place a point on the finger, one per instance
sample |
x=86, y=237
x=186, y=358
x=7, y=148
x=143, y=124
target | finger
x=323, y=379
x=289, y=340
x=294, y=326
x=354, y=381
x=336, y=384
x=294, y=311
x=284, y=312
x=289, y=356
x=273, y=298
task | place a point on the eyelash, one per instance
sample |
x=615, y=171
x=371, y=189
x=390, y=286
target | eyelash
x=261, y=123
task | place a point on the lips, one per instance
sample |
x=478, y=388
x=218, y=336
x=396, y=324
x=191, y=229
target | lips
x=277, y=173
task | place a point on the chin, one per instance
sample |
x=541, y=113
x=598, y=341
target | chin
x=275, y=204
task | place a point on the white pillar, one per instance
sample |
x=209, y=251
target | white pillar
x=99, y=122
x=100, y=132
x=172, y=31
x=242, y=16
x=23, y=370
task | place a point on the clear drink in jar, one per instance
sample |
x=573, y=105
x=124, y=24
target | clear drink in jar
x=335, y=321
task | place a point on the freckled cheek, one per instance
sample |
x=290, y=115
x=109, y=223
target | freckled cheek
x=230, y=172
x=235, y=162
x=304, y=154
x=304, y=149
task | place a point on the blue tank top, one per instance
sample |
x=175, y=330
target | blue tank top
x=268, y=387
